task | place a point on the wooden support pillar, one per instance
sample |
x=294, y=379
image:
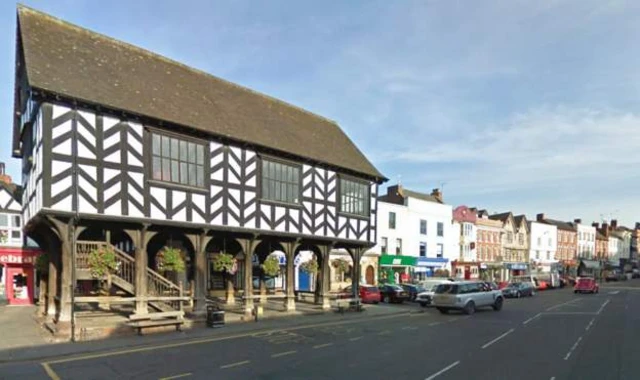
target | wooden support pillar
x=140, y=239
x=356, y=255
x=290, y=301
x=248, y=246
x=325, y=276
x=52, y=286
x=65, y=232
x=201, y=273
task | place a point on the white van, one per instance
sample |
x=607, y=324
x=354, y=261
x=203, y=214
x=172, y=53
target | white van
x=425, y=298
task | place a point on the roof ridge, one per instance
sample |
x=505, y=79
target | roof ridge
x=167, y=59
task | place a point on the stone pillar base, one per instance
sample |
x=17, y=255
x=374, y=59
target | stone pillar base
x=290, y=304
x=326, y=303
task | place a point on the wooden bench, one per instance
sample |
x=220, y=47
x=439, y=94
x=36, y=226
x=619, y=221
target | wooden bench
x=141, y=321
x=348, y=304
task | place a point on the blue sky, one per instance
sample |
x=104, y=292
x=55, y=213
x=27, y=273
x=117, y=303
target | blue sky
x=528, y=106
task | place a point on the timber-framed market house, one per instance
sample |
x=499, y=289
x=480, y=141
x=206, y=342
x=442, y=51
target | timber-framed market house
x=129, y=152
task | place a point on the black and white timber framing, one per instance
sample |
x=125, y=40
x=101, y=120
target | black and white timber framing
x=106, y=160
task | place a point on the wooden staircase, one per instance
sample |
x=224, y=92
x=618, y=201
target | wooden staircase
x=165, y=299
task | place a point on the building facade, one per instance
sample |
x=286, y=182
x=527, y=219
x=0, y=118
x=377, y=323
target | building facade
x=489, y=234
x=543, y=245
x=112, y=163
x=566, y=244
x=465, y=242
x=586, y=244
x=415, y=228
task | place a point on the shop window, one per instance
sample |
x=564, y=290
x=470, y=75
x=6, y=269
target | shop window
x=177, y=161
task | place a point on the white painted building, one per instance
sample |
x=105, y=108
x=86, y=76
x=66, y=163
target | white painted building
x=616, y=247
x=586, y=240
x=416, y=225
x=543, y=244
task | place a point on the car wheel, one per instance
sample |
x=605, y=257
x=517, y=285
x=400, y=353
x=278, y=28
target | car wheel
x=386, y=299
x=423, y=304
x=469, y=308
x=497, y=306
x=443, y=310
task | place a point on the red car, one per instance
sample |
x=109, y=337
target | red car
x=368, y=293
x=586, y=285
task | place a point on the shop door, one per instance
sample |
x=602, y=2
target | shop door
x=19, y=286
x=303, y=281
x=370, y=276
x=467, y=273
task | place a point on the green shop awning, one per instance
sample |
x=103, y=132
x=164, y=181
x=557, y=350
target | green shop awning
x=397, y=261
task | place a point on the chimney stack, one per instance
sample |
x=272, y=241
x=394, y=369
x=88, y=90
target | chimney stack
x=437, y=194
x=577, y=221
x=540, y=217
x=595, y=224
x=637, y=225
x=4, y=177
x=614, y=224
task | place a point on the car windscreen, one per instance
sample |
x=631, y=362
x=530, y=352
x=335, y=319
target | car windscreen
x=371, y=289
x=447, y=289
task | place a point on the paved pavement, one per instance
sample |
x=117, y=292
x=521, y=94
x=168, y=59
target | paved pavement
x=554, y=335
x=19, y=328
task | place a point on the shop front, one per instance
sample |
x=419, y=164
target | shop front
x=465, y=270
x=430, y=267
x=395, y=269
x=19, y=273
x=589, y=268
x=517, y=269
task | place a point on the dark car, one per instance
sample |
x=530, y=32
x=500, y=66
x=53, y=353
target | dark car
x=393, y=293
x=519, y=289
x=413, y=290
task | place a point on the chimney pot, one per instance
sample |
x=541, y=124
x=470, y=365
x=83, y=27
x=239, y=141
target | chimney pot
x=436, y=194
x=595, y=224
x=614, y=223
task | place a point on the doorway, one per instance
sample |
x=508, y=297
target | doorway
x=19, y=286
x=370, y=275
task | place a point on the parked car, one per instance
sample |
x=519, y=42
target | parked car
x=466, y=296
x=615, y=275
x=413, y=290
x=519, y=289
x=368, y=293
x=586, y=285
x=425, y=298
x=393, y=293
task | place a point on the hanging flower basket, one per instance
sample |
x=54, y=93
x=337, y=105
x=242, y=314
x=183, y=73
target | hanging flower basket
x=4, y=236
x=225, y=262
x=310, y=267
x=271, y=266
x=341, y=265
x=170, y=259
x=102, y=262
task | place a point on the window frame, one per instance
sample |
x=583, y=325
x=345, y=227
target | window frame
x=367, y=198
x=149, y=132
x=440, y=248
x=423, y=244
x=440, y=229
x=398, y=247
x=390, y=225
x=423, y=221
x=259, y=182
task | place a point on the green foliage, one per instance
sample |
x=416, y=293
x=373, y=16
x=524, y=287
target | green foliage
x=102, y=261
x=310, y=266
x=42, y=264
x=171, y=260
x=224, y=262
x=341, y=265
x=271, y=266
x=4, y=236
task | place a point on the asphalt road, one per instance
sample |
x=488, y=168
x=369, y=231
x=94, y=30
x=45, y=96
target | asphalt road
x=554, y=335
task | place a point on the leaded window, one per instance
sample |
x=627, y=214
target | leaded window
x=354, y=197
x=178, y=161
x=280, y=182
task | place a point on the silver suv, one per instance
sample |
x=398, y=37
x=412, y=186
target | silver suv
x=466, y=296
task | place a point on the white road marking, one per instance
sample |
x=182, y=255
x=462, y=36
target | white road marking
x=553, y=378
x=497, y=339
x=572, y=348
x=532, y=318
x=590, y=324
x=284, y=354
x=385, y=332
x=356, y=338
x=564, y=303
x=323, y=345
x=572, y=313
x=445, y=369
x=603, y=305
x=435, y=323
x=616, y=292
x=176, y=376
x=235, y=364
x=409, y=328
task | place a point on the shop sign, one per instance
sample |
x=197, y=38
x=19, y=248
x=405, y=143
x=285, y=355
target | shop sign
x=390, y=260
x=16, y=259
